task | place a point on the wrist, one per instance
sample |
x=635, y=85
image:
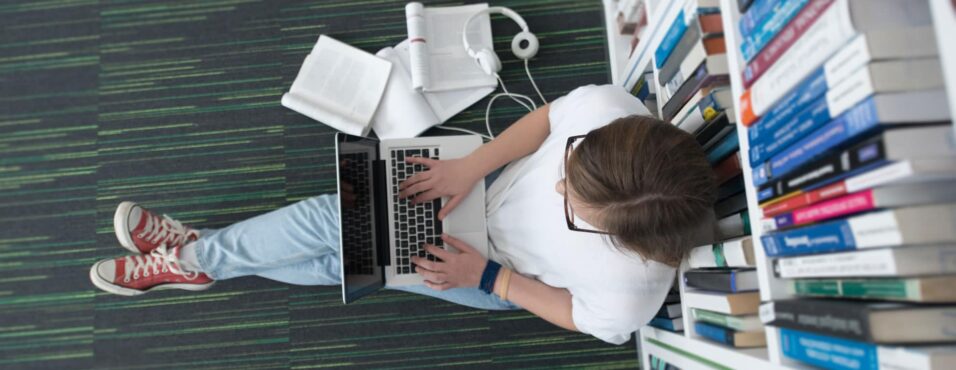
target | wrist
x=480, y=166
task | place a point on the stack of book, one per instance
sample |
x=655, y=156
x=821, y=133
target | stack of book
x=724, y=300
x=669, y=317
x=646, y=92
x=855, y=171
x=658, y=364
x=692, y=78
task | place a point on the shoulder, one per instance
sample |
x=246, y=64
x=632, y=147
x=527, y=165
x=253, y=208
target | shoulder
x=592, y=106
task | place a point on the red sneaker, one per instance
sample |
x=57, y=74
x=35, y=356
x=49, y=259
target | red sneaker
x=138, y=274
x=141, y=231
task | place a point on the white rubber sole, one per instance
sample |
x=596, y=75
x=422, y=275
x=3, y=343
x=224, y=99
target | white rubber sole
x=121, y=227
x=108, y=287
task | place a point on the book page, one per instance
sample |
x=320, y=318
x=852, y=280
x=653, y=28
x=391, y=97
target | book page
x=444, y=104
x=403, y=113
x=341, y=79
x=449, y=66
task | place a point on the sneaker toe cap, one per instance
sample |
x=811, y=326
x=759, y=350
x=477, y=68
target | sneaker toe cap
x=106, y=270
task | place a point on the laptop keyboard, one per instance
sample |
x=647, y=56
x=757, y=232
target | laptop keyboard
x=414, y=224
x=358, y=235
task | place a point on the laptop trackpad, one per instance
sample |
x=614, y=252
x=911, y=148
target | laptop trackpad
x=479, y=241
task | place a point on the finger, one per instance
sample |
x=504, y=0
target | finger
x=415, y=189
x=346, y=187
x=450, y=206
x=349, y=197
x=445, y=255
x=426, y=196
x=435, y=277
x=435, y=286
x=458, y=244
x=428, y=162
x=429, y=265
x=416, y=178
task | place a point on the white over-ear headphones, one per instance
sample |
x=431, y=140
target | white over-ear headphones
x=524, y=45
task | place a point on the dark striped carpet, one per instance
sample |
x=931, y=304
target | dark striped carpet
x=176, y=105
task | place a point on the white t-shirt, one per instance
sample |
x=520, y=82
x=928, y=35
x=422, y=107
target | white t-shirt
x=613, y=293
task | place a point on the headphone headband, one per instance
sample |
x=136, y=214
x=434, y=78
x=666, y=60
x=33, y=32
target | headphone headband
x=490, y=10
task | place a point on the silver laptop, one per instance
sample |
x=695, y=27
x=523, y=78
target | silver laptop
x=379, y=233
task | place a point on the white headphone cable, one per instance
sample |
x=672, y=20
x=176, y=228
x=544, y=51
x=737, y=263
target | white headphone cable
x=535, y=85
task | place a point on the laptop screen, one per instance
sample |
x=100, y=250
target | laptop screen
x=360, y=270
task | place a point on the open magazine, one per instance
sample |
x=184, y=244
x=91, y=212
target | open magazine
x=405, y=112
x=339, y=85
x=438, y=60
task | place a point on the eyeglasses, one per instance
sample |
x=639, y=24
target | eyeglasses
x=568, y=212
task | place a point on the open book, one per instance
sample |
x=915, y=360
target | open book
x=438, y=60
x=405, y=112
x=339, y=85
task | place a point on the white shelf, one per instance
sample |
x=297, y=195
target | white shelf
x=944, y=20
x=691, y=353
x=618, y=45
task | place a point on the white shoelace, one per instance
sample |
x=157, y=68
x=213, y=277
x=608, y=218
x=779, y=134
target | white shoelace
x=159, y=260
x=166, y=230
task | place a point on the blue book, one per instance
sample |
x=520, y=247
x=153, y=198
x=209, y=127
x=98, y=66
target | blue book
x=858, y=120
x=759, y=10
x=765, y=142
x=833, y=236
x=675, y=324
x=725, y=147
x=828, y=352
x=768, y=28
x=670, y=40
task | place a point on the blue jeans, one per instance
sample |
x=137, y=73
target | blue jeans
x=298, y=244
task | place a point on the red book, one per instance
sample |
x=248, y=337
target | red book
x=805, y=199
x=783, y=40
x=728, y=168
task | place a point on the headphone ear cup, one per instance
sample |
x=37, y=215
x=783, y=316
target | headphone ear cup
x=488, y=61
x=529, y=50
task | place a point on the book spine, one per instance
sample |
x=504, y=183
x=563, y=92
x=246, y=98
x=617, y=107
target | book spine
x=670, y=40
x=713, y=318
x=847, y=126
x=780, y=44
x=837, y=318
x=730, y=188
x=805, y=199
x=727, y=145
x=870, y=263
x=823, y=238
x=714, y=128
x=889, y=289
x=856, y=160
x=666, y=324
x=728, y=168
x=842, y=206
x=828, y=352
x=759, y=10
x=719, y=282
x=829, y=33
x=689, y=45
x=714, y=332
x=765, y=142
x=734, y=225
x=769, y=27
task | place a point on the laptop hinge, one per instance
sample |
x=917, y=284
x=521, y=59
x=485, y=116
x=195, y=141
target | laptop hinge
x=382, y=245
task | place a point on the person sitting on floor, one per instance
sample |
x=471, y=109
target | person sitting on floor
x=636, y=194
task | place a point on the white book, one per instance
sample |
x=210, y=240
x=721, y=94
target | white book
x=914, y=261
x=887, y=77
x=916, y=357
x=904, y=171
x=737, y=252
x=716, y=65
x=406, y=112
x=887, y=27
x=438, y=60
x=728, y=303
x=673, y=310
x=339, y=85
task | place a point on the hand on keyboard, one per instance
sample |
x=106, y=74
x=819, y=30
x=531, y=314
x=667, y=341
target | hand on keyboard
x=454, y=270
x=452, y=178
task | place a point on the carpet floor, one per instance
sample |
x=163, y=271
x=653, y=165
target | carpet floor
x=175, y=105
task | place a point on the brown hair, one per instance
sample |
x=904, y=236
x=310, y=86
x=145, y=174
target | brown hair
x=651, y=183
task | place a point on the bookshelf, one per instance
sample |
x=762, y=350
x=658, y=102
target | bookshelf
x=687, y=350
